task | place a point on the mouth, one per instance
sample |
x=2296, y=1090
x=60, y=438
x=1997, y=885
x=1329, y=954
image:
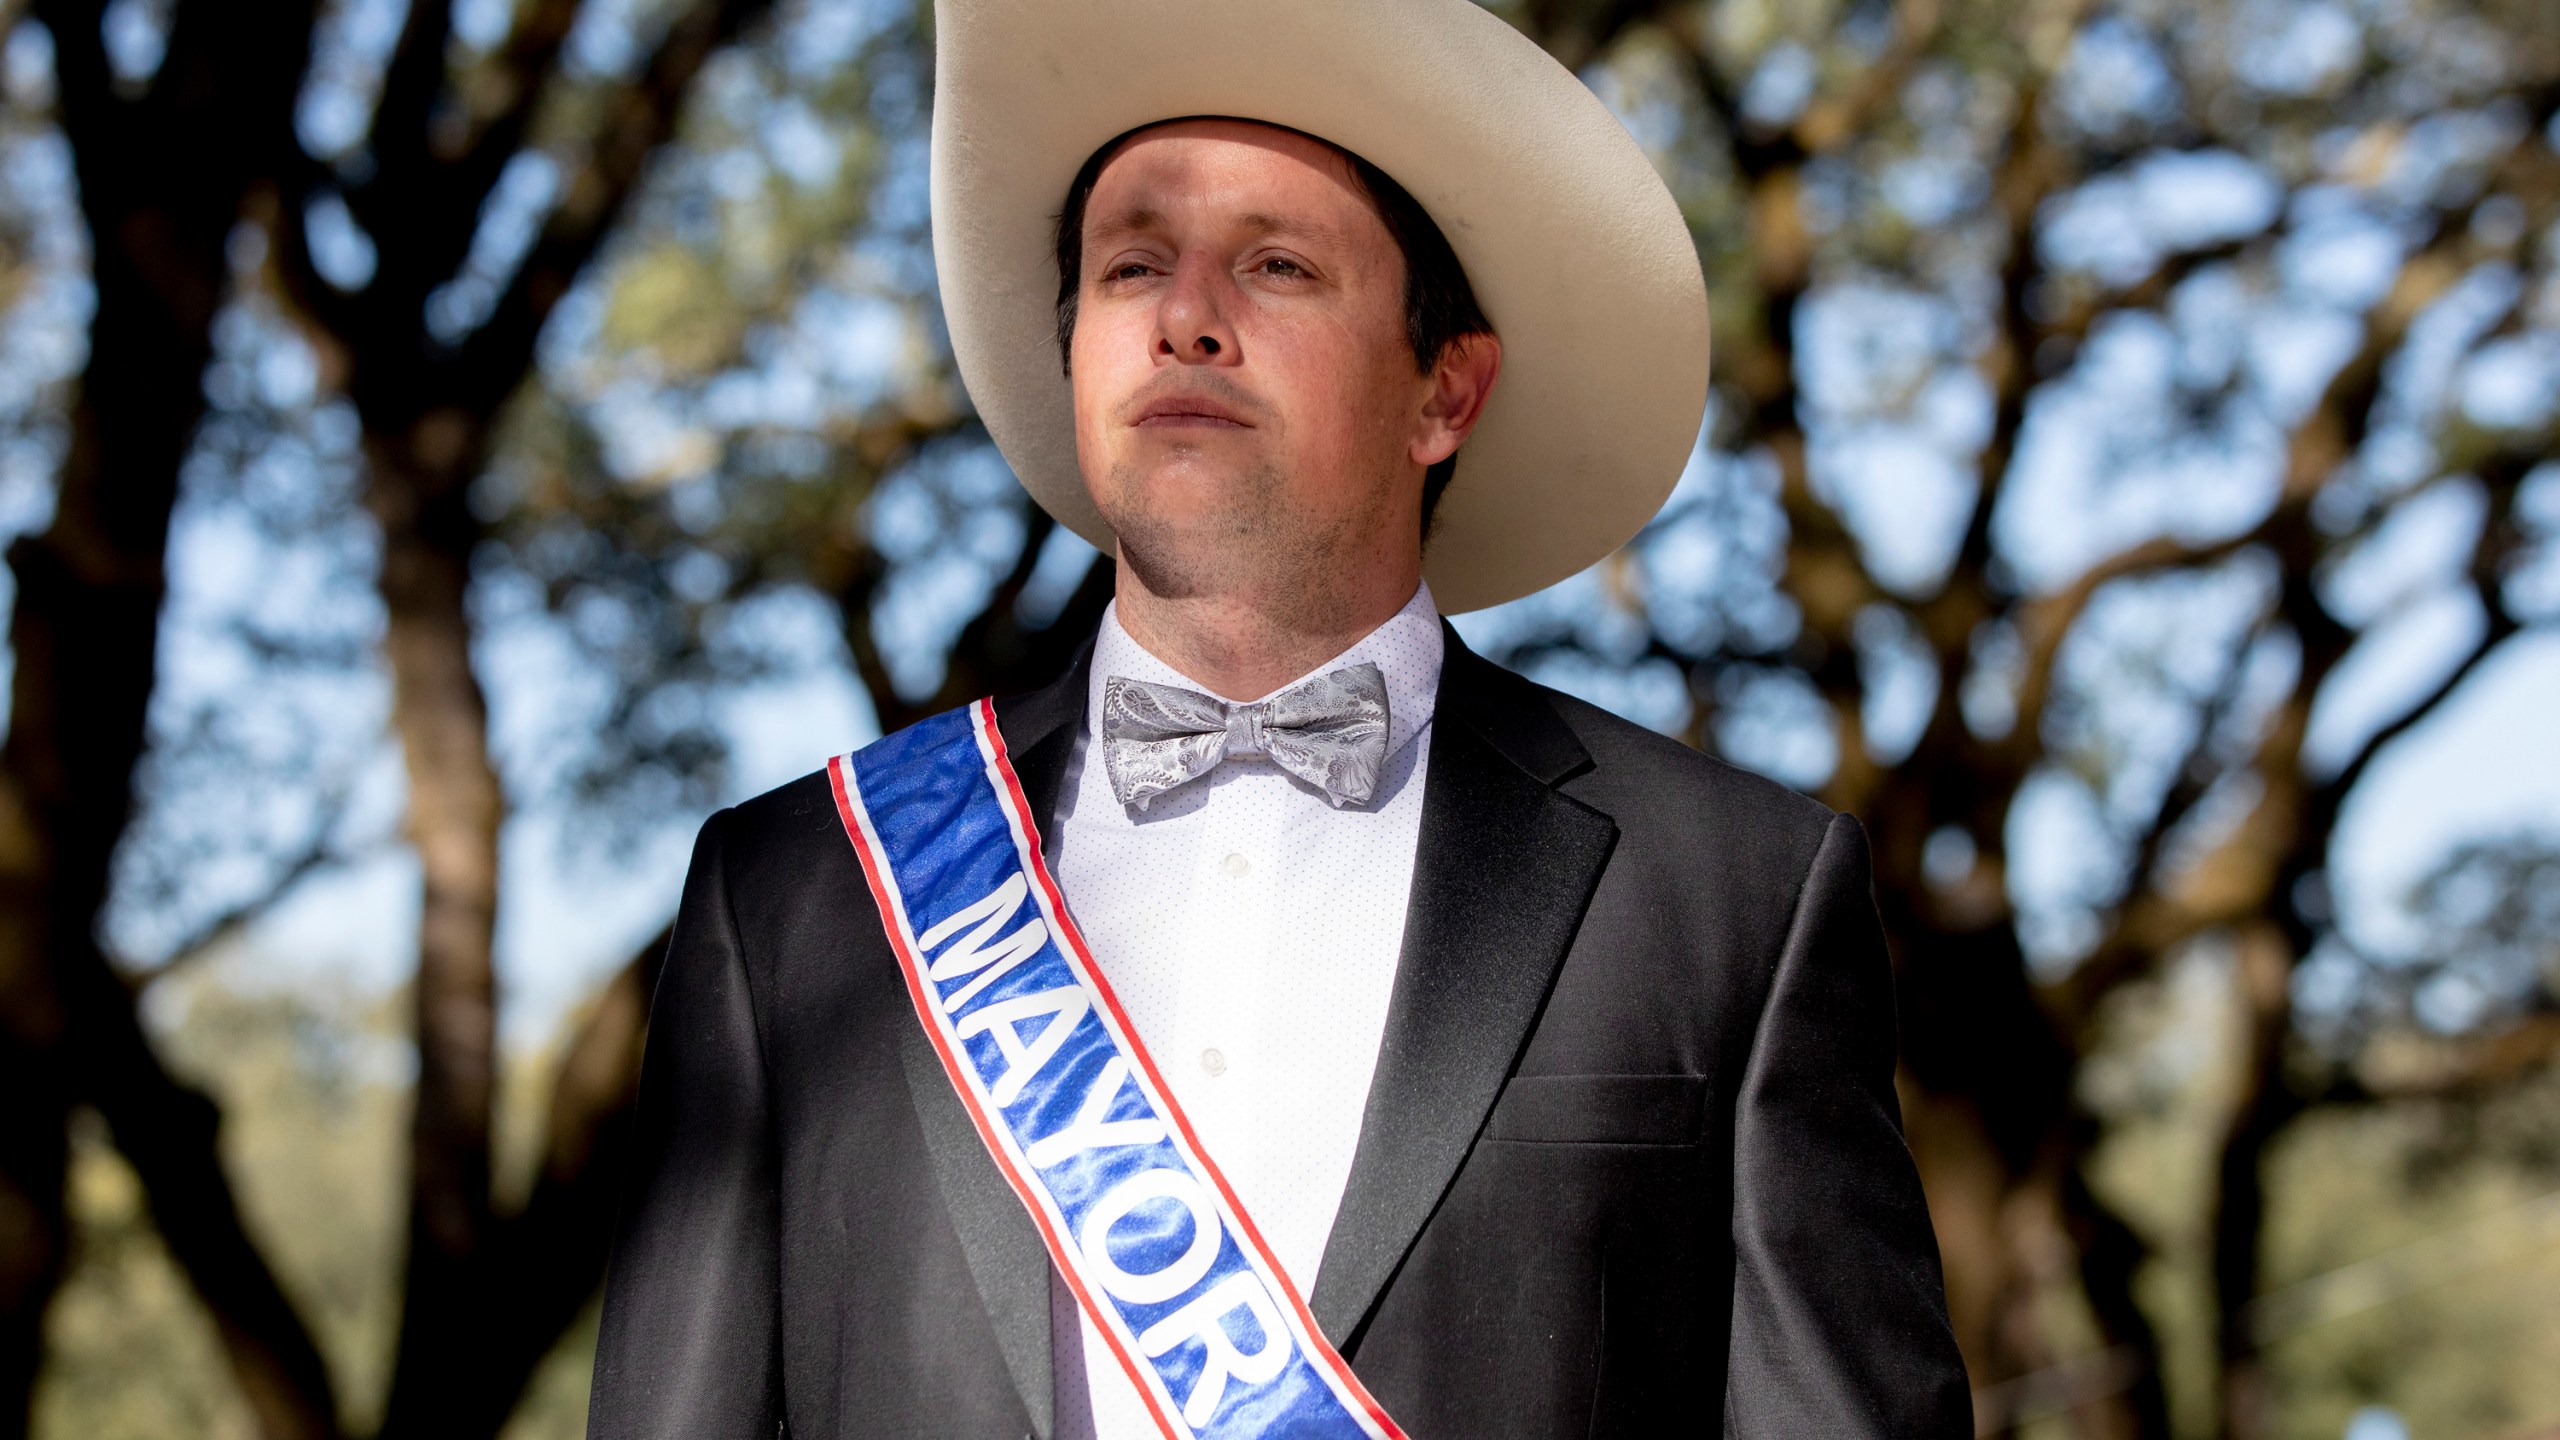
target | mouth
x=1189, y=412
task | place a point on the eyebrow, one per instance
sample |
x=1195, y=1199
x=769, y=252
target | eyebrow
x=1127, y=222
x=1140, y=221
x=1284, y=226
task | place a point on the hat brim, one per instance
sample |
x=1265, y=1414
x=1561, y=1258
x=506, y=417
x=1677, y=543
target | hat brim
x=1574, y=247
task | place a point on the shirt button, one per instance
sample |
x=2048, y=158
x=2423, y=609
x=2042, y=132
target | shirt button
x=1237, y=865
x=1214, y=1060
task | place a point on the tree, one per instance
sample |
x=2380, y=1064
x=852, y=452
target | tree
x=1991, y=166
x=2078, y=370
x=162, y=182
x=2018, y=510
x=174, y=156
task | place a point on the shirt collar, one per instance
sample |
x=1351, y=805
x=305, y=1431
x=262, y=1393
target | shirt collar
x=1407, y=650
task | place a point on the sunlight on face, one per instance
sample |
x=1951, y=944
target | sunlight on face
x=1245, y=393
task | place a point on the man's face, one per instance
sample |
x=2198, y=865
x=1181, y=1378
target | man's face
x=1248, y=410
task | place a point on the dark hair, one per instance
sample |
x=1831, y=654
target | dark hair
x=1439, y=305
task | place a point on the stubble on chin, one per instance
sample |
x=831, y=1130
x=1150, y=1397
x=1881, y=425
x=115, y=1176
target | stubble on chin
x=1251, y=545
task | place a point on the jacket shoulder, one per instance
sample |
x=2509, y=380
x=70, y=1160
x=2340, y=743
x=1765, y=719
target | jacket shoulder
x=794, y=820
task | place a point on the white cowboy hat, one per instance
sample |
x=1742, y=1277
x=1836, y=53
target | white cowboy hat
x=1574, y=247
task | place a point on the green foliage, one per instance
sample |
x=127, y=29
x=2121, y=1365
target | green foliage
x=2413, y=1255
x=673, y=301
x=313, y=1083
x=2412, y=1248
x=129, y=1353
x=2407, y=1276
x=1920, y=224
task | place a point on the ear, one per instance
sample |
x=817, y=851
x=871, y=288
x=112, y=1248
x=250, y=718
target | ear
x=1460, y=384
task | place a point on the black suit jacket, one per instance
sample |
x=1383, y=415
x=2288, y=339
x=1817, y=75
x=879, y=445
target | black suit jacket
x=1631, y=1163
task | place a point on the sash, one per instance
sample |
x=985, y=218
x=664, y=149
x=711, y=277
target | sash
x=1156, y=1247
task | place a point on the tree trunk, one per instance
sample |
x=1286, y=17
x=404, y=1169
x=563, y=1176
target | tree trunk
x=84, y=632
x=485, y=1296
x=162, y=180
x=544, y=1263
x=32, y=1161
x=2111, y=1257
x=420, y=495
x=2264, y=1105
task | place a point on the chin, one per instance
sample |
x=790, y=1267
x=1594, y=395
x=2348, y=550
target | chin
x=1189, y=488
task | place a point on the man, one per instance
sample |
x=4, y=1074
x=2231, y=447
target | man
x=1287, y=1022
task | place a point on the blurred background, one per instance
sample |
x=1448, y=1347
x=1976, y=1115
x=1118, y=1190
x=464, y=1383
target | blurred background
x=449, y=447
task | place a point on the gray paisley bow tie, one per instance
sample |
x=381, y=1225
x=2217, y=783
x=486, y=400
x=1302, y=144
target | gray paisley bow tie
x=1330, y=731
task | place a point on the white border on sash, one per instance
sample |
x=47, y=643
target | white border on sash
x=999, y=1139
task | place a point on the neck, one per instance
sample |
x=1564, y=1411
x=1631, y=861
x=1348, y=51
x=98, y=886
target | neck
x=1243, y=644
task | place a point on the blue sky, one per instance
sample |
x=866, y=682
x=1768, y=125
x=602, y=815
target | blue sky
x=2486, y=765
x=1894, y=402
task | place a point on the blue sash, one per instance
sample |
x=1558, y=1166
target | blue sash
x=1157, y=1249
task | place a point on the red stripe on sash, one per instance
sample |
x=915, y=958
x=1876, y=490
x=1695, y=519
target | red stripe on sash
x=1018, y=808
x=911, y=969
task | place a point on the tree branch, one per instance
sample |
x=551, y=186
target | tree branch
x=2044, y=624
x=330, y=315
x=170, y=1133
x=2193, y=780
x=2433, y=1069
x=853, y=603
x=2288, y=833
x=2264, y=1106
x=543, y=1263
x=1827, y=125
x=319, y=855
x=398, y=143
x=641, y=118
x=505, y=107
x=2148, y=293
x=2496, y=542
x=85, y=98
x=501, y=102
x=2032, y=168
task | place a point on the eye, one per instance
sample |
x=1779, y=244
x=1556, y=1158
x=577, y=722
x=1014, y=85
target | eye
x=1281, y=265
x=1128, y=270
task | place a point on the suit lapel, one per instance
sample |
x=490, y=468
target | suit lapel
x=1006, y=1257
x=1040, y=730
x=1503, y=868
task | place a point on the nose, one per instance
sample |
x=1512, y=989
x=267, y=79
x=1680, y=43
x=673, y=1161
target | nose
x=1192, y=325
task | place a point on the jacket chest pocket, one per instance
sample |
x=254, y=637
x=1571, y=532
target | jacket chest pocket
x=1600, y=1110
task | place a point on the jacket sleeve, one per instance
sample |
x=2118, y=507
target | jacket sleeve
x=688, y=1345
x=1839, y=1310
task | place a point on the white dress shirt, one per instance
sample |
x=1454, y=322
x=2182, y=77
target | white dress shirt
x=1251, y=930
